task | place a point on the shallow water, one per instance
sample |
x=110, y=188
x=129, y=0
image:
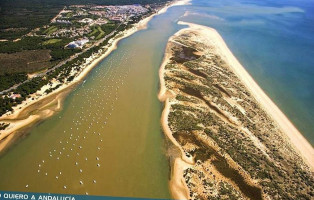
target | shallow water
x=107, y=139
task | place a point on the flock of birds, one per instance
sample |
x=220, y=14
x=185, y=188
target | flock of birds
x=81, y=140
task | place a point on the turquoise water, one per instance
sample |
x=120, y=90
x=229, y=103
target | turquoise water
x=274, y=41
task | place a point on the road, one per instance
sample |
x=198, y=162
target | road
x=64, y=61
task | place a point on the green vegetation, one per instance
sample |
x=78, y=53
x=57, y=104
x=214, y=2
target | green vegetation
x=18, y=17
x=25, y=61
x=51, y=41
x=101, y=33
x=185, y=98
x=27, y=43
x=183, y=122
x=94, y=32
x=60, y=54
x=211, y=129
x=62, y=74
x=8, y=80
x=50, y=30
x=32, y=86
x=108, y=28
x=98, y=32
x=33, y=43
x=186, y=54
x=45, y=46
x=3, y=126
x=68, y=15
x=31, y=54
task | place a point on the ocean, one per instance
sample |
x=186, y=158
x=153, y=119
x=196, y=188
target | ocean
x=274, y=41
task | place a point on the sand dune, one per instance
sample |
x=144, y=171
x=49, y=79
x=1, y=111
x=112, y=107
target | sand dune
x=297, y=139
x=294, y=137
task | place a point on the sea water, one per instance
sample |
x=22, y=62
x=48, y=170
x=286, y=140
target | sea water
x=274, y=41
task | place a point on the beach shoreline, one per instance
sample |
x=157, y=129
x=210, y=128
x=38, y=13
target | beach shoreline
x=14, y=118
x=293, y=136
x=298, y=141
x=177, y=185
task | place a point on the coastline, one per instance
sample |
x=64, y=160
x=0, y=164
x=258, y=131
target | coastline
x=18, y=121
x=298, y=141
x=177, y=185
x=293, y=136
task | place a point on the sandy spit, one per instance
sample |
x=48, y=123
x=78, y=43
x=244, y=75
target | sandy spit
x=298, y=141
x=178, y=187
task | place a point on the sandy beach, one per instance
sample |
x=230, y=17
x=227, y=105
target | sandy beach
x=178, y=188
x=294, y=137
x=20, y=118
x=177, y=185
